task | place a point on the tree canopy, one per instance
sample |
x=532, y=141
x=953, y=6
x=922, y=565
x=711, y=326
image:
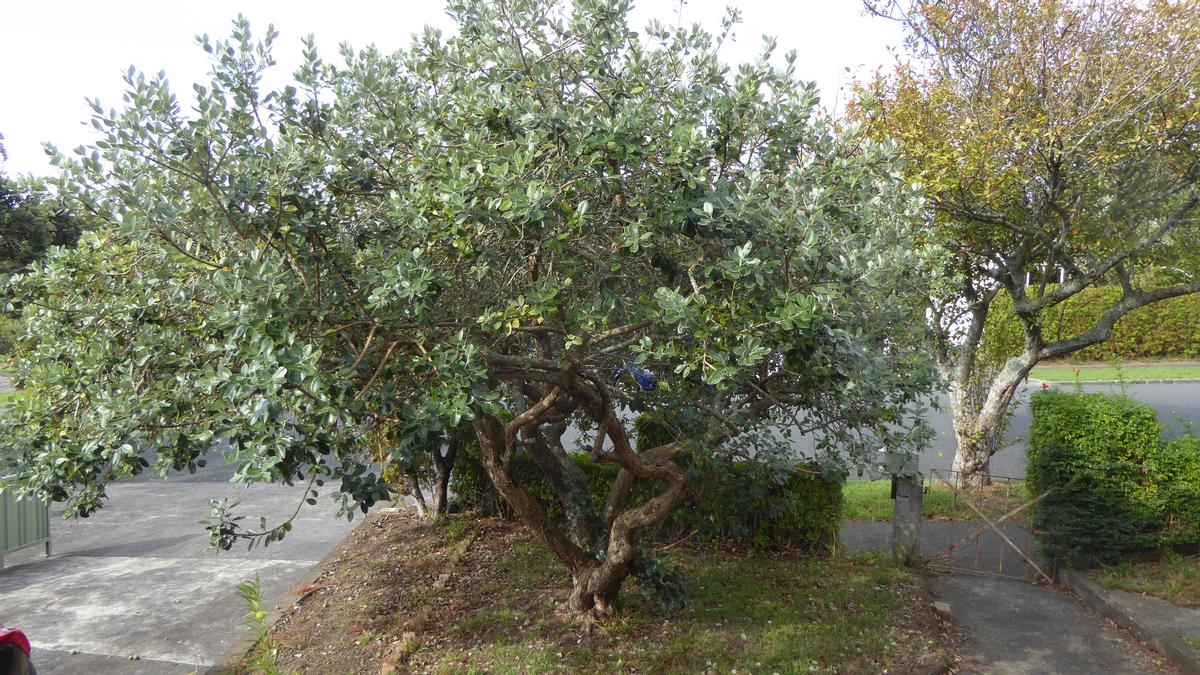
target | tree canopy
x=29, y=226
x=1057, y=144
x=480, y=229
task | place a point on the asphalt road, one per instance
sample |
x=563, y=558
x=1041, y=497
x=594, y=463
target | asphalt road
x=1174, y=402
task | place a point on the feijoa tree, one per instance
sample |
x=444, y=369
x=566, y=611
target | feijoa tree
x=479, y=229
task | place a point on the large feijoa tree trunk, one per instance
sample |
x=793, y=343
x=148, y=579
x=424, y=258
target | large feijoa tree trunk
x=1056, y=143
x=475, y=232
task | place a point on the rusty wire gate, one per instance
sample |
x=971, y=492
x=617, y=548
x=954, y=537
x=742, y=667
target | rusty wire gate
x=982, y=529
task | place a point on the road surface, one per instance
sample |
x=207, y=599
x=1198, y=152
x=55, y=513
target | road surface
x=1178, y=405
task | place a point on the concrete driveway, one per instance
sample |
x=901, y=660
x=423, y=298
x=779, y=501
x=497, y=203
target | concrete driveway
x=1013, y=627
x=136, y=589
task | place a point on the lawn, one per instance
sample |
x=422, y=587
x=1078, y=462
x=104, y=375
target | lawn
x=378, y=607
x=1115, y=374
x=870, y=500
x=1175, y=578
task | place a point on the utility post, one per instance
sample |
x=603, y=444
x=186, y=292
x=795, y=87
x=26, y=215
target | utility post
x=907, y=491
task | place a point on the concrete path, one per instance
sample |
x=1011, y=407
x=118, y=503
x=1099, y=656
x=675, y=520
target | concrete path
x=984, y=554
x=1169, y=628
x=1015, y=627
x=136, y=589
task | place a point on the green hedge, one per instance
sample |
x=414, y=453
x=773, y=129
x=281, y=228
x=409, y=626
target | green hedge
x=1177, y=473
x=736, y=502
x=1104, y=427
x=1115, y=487
x=1162, y=330
x=749, y=503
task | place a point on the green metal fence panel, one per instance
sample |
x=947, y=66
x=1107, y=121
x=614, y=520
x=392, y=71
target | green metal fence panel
x=23, y=523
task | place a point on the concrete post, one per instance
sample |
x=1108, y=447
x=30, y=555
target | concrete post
x=907, y=492
x=906, y=519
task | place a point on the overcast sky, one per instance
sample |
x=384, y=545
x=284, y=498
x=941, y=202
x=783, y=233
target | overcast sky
x=57, y=53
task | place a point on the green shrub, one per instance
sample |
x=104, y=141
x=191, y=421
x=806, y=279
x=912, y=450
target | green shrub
x=1166, y=329
x=653, y=428
x=1088, y=514
x=1115, y=487
x=1177, y=475
x=740, y=502
x=470, y=487
x=10, y=331
x=1104, y=427
x=751, y=503
x=760, y=506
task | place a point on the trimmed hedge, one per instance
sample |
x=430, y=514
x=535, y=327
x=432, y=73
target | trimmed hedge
x=736, y=502
x=1162, y=330
x=1104, y=427
x=1177, y=471
x=1115, y=487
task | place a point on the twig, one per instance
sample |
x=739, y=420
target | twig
x=677, y=542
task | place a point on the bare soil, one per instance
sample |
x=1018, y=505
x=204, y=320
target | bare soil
x=402, y=595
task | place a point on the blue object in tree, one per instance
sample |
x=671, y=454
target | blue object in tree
x=644, y=378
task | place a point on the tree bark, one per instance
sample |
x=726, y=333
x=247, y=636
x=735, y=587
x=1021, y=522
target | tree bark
x=980, y=419
x=493, y=447
x=570, y=484
x=442, y=466
x=418, y=496
x=595, y=581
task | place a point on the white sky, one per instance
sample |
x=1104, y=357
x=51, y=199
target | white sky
x=57, y=53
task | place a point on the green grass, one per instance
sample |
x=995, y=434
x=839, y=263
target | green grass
x=1175, y=578
x=8, y=398
x=870, y=500
x=1113, y=374
x=748, y=612
x=501, y=612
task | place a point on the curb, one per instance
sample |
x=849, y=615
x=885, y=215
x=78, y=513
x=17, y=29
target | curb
x=243, y=645
x=940, y=667
x=1095, y=597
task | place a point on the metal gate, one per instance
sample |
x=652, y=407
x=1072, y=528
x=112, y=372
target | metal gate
x=986, y=530
x=23, y=523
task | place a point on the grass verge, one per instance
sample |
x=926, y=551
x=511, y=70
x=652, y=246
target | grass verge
x=407, y=596
x=1175, y=578
x=870, y=500
x=1115, y=374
